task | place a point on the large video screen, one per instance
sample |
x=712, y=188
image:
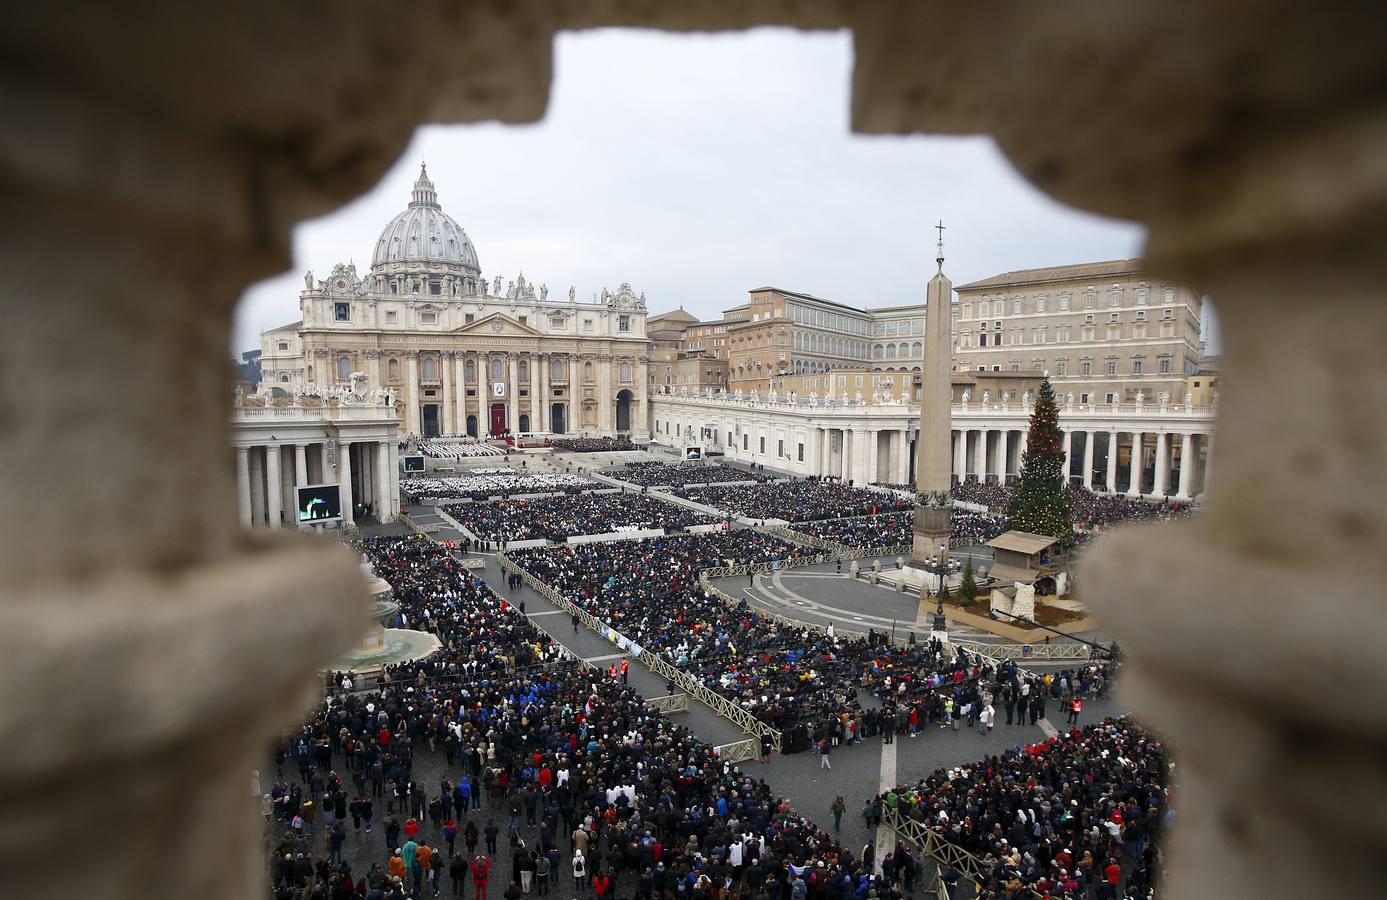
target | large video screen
x=693, y=453
x=319, y=503
x=413, y=463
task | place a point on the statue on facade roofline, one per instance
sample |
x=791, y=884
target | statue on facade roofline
x=496, y=287
x=986, y=397
x=544, y=292
x=1026, y=398
x=572, y=294
x=240, y=396
x=967, y=395
x=1164, y=398
x=308, y=279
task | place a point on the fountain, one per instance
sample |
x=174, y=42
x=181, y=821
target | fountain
x=383, y=645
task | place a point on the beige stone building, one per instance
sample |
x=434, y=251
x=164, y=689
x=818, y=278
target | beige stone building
x=1104, y=331
x=671, y=364
x=461, y=355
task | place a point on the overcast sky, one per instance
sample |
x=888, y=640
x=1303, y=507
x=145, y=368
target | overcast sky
x=698, y=167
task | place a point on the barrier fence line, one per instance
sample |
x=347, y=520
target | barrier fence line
x=943, y=853
x=1030, y=651
x=671, y=703
x=657, y=664
x=739, y=751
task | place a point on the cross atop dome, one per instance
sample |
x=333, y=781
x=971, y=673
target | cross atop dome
x=424, y=194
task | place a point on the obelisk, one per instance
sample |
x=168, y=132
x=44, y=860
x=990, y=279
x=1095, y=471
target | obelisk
x=934, y=460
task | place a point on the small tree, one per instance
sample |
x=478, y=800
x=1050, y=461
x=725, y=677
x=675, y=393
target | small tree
x=1041, y=503
x=968, y=590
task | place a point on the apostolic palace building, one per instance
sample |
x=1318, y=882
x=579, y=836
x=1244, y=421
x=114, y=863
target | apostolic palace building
x=461, y=356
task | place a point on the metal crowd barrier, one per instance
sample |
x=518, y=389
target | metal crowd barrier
x=657, y=664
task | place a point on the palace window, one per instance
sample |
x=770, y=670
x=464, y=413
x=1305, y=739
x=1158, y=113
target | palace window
x=1115, y=296
x=497, y=368
x=1061, y=367
x=435, y=288
x=1112, y=367
x=470, y=370
x=428, y=318
x=1017, y=306
x=556, y=370
x=428, y=369
x=587, y=324
x=390, y=316
x=624, y=372
x=524, y=371
x=1064, y=303
x=1163, y=366
x=392, y=369
x=283, y=377
x=342, y=312
x=587, y=372
x=1138, y=367
x=623, y=323
x=1085, y=367
x=1041, y=302
x=344, y=368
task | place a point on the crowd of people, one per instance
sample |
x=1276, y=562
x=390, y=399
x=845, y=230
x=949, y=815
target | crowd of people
x=893, y=529
x=496, y=481
x=660, y=475
x=1078, y=815
x=1091, y=511
x=798, y=501
x=559, y=518
x=592, y=444
x=591, y=785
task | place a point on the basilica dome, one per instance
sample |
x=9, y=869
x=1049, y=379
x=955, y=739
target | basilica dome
x=423, y=233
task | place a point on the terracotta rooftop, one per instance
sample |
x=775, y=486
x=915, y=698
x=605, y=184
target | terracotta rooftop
x=1057, y=273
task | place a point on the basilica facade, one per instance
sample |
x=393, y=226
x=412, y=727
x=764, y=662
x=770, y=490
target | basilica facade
x=461, y=356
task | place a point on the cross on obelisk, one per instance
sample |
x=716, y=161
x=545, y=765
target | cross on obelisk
x=939, y=255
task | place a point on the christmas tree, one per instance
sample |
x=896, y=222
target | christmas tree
x=1040, y=503
x=968, y=590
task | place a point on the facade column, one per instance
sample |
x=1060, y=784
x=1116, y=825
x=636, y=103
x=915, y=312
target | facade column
x=980, y=456
x=640, y=399
x=373, y=374
x=1003, y=440
x=825, y=451
x=1161, y=482
x=903, y=457
x=381, y=499
x=322, y=463
x=446, y=361
x=1088, y=460
x=411, y=392
x=541, y=422
x=961, y=456
x=1134, y=468
x=394, y=467
x=1111, y=481
x=344, y=479
x=459, y=400
x=575, y=396
x=1068, y=455
x=300, y=467
x=243, y=485
x=605, y=414
x=513, y=391
x=275, y=504
x=532, y=368
x=1187, y=462
x=811, y=450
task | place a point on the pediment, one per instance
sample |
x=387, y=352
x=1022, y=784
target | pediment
x=498, y=325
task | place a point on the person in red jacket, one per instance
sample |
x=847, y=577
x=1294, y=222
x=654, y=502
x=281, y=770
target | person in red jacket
x=601, y=884
x=481, y=870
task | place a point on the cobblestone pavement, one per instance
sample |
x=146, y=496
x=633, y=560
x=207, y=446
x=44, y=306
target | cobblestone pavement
x=857, y=772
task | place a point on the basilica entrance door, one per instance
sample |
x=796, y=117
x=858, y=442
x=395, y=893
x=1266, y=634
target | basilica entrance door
x=556, y=418
x=431, y=428
x=498, y=418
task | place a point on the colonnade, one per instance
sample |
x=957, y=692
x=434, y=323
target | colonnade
x=267, y=475
x=1153, y=456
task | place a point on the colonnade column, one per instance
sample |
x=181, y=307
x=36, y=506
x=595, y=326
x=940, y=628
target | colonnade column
x=980, y=456
x=1161, y=483
x=1111, y=482
x=1088, y=460
x=1003, y=439
x=365, y=474
x=257, y=486
x=344, y=479
x=394, y=472
x=1134, y=468
x=1186, y=466
x=961, y=456
x=825, y=451
x=300, y=468
x=383, y=486
x=903, y=458
x=243, y=485
x=1068, y=455
x=873, y=456
x=275, y=486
